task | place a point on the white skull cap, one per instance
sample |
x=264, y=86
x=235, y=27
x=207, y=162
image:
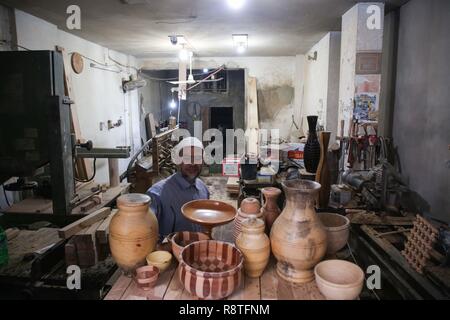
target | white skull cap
x=190, y=142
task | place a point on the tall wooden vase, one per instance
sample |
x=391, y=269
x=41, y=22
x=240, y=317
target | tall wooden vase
x=298, y=238
x=270, y=208
x=323, y=172
x=311, y=155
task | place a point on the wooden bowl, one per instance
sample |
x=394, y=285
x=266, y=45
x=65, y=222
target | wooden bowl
x=338, y=230
x=159, y=259
x=146, y=277
x=208, y=213
x=339, y=279
x=179, y=240
x=211, y=269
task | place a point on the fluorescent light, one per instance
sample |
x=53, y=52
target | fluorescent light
x=240, y=42
x=240, y=48
x=236, y=4
x=172, y=104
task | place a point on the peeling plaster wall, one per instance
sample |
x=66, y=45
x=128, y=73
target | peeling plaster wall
x=279, y=79
x=97, y=93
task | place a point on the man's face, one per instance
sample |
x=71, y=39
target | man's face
x=192, y=163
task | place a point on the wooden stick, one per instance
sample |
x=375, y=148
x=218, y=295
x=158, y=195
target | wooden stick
x=83, y=223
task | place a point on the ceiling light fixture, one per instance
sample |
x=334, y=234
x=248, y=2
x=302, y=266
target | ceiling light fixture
x=240, y=42
x=236, y=4
x=172, y=103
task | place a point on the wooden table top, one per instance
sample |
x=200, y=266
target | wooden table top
x=267, y=287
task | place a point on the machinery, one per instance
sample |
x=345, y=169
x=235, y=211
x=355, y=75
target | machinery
x=36, y=139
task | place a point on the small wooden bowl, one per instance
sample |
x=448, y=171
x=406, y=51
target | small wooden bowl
x=211, y=269
x=146, y=277
x=339, y=279
x=159, y=259
x=180, y=240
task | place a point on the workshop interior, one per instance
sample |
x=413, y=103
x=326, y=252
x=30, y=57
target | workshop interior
x=323, y=129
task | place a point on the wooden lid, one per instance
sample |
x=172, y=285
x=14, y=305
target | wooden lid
x=133, y=200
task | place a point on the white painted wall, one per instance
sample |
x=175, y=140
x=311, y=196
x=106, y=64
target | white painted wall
x=356, y=37
x=97, y=93
x=322, y=83
x=273, y=74
x=316, y=82
x=348, y=64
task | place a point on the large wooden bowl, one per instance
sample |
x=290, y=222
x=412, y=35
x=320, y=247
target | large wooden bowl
x=211, y=269
x=179, y=240
x=338, y=231
x=208, y=213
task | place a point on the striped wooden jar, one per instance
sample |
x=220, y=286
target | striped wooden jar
x=211, y=269
x=250, y=208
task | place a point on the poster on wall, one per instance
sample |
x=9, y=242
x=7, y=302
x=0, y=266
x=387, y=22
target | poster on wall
x=367, y=96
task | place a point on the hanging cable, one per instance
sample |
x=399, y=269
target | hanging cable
x=93, y=174
x=212, y=74
x=6, y=197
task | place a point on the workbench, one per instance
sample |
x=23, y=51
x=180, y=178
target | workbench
x=168, y=287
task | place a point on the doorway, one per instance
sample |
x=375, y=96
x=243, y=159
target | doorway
x=221, y=118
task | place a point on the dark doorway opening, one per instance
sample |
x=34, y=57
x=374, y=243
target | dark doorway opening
x=221, y=118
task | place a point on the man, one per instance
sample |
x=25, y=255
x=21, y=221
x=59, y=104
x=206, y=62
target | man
x=169, y=195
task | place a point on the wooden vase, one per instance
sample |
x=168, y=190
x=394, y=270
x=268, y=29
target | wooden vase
x=250, y=207
x=255, y=246
x=270, y=208
x=311, y=154
x=298, y=238
x=133, y=231
x=323, y=172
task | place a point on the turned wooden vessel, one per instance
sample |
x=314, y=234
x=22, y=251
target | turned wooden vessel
x=133, y=231
x=338, y=231
x=270, y=209
x=298, y=238
x=179, y=240
x=211, y=269
x=323, y=172
x=250, y=207
x=255, y=246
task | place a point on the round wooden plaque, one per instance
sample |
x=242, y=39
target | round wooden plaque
x=77, y=63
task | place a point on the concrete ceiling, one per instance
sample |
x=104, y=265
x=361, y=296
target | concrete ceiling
x=141, y=27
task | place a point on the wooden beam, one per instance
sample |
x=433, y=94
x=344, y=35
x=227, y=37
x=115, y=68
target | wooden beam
x=150, y=126
x=396, y=256
x=103, y=229
x=252, y=117
x=82, y=169
x=372, y=219
x=83, y=223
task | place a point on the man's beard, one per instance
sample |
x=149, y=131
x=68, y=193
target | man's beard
x=191, y=176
